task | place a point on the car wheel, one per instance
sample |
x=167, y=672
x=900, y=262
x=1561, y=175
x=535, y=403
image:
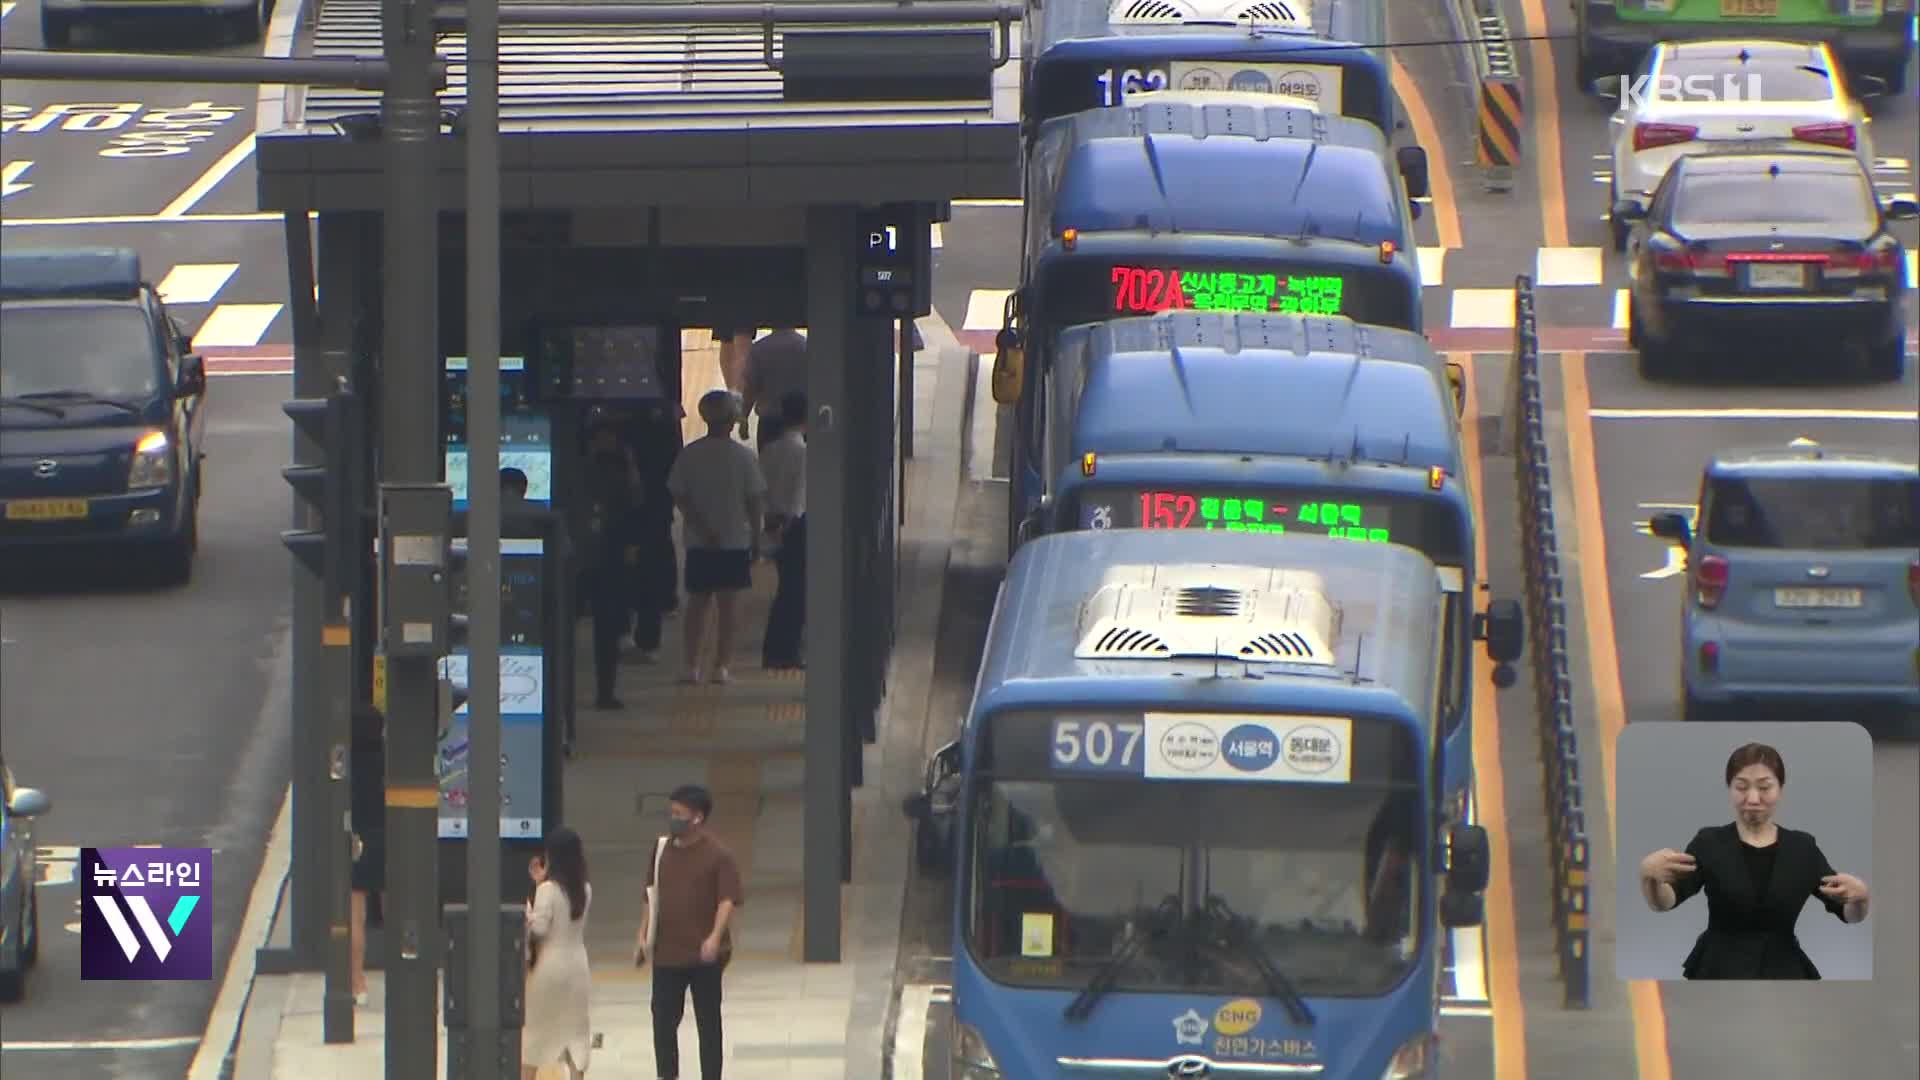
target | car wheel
x=1896, y=79
x=55, y=33
x=13, y=981
x=1887, y=361
x=176, y=558
x=30, y=943
x=1585, y=73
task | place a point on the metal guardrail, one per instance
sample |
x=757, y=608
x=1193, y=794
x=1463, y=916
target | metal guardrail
x=1499, y=107
x=1549, y=659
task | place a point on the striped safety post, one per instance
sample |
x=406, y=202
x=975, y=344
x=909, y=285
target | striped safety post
x=1502, y=114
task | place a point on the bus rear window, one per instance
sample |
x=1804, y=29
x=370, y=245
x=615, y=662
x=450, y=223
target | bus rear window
x=1814, y=513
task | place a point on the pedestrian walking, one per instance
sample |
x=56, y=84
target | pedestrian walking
x=717, y=485
x=785, y=463
x=611, y=487
x=693, y=890
x=367, y=792
x=776, y=366
x=557, y=1029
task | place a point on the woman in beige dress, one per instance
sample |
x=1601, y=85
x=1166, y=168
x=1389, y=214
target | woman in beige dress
x=556, y=1028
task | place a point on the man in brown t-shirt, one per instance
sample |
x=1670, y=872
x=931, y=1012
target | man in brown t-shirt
x=699, y=890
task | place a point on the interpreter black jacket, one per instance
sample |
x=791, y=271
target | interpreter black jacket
x=1749, y=935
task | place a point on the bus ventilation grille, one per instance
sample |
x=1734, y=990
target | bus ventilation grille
x=1280, y=647
x=1123, y=642
x=1291, y=14
x=1209, y=602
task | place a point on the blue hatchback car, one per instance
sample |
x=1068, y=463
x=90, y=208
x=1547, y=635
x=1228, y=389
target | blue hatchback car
x=1803, y=580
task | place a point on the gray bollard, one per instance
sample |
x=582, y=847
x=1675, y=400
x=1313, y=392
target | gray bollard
x=512, y=965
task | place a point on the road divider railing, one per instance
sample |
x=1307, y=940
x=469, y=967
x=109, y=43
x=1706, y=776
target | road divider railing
x=1548, y=652
x=1499, y=105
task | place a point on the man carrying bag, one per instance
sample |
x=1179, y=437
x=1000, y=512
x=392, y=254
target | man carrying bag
x=691, y=895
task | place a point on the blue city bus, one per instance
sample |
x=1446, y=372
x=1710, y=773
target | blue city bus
x=1172, y=205
x=1193, y=817
x=1277, y=425
x=1089, y=54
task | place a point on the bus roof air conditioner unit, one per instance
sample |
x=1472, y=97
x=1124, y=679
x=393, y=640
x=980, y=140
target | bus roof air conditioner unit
x=1278, y=14
x=1249, y=613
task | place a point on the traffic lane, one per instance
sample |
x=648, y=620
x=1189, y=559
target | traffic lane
x=94, y=149
x=977, y=263
x=1847, y=1028
x=1799, y=384
x=237, y=190
x=140, y=712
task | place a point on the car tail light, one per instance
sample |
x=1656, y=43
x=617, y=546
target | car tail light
x=1913, y=581
x=1710, y=581
x=1687, y=262
x=1852, y=264
x=1646, y=136
x=1709, y=657
x=1834, y=133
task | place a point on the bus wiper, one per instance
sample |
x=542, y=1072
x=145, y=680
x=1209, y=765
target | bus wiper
x=1235, y=933
x=81, y=397
x=37, y=406
x=1159, y=919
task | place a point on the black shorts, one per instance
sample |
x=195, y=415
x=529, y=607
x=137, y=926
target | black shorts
x=716, y=570
x=370, y=869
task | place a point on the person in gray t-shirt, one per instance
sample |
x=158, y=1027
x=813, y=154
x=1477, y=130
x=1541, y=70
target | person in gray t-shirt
x=721, y=493
x=776, y=367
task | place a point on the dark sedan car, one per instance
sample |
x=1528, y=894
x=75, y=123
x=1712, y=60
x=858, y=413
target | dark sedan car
x=1745, y=249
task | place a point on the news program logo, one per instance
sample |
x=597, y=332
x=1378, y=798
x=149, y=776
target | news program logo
x=146, y=914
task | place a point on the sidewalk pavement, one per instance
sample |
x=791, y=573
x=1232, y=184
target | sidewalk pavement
x=784, y=1018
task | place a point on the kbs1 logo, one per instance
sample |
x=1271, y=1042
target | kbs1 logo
x=146, y=914
x=1696, y=88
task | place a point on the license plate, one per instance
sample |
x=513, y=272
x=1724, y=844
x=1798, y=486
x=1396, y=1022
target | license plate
x=1749, y=9
x=1816, y=598
x=46, y=509
x=1776, y=276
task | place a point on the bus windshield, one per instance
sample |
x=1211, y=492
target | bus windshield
x=1067, y=871
x=1090, y=288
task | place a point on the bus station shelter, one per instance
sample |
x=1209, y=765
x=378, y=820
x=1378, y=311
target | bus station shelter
x=662, y=177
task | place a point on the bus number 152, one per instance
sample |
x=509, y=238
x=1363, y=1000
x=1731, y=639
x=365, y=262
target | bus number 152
x=1096, y=744
x=1114, y=88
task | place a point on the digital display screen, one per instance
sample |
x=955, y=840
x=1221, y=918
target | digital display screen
x=522, y=701
x=1428, y=526
x=526, y=435
x=1077, y=290
x=1339, y=82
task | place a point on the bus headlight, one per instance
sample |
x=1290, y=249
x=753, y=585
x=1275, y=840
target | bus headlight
x=152, y=464
x=971, y=1058
x=1414, y=1060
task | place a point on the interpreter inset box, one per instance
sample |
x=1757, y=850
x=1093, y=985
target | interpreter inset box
x=1745, y=851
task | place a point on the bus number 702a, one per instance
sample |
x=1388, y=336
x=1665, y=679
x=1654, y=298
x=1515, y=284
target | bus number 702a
x=1115, y=88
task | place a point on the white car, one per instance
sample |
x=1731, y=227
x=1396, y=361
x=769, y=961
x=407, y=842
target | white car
x=1697, y=97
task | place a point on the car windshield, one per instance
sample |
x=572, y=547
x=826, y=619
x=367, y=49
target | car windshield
x=1700, y=78
x=1067, y=873
x=107, y=351
x=1825, y=513
x=1841, y=200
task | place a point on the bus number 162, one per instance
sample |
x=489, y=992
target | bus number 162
x=1114, y=88
x=1096, y=744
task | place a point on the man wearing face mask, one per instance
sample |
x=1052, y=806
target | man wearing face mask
x=695, y=886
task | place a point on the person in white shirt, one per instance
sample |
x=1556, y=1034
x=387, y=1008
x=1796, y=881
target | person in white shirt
x=785, y=462
x=720, y=492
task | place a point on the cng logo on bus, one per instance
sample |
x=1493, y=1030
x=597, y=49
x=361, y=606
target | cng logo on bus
x=1312, y=749
x=1251, y=748
x=1237, y=1017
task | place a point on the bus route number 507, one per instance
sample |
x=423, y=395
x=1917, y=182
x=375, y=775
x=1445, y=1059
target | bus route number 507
x=1097, y=745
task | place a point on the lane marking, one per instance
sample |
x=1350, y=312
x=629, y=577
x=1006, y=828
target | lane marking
x=145, y=219
x=10, y=182
x=1609, y=698
x=1622, y=310
x=1561, y=266
x=910, y=1033
x=938, y=239
x=984, y=203
x=1907, y=416
x=1913, y=268
x=1482, y=309
x=986, y=415
x=195, y=283
x=1546, y=129
x=229, y=1007
x=6, y=9
x=985, y=308
x=103, y=1045
x=236, y=325
x=1446, y=212
x=1433, y=266
x=208, y=180
x=1500, y=931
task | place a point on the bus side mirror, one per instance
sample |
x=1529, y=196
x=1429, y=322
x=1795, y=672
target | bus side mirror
x=1457, y=381
x=1671, y=526
x=1469, y=862
x=1412, y=161
x=1504, y=628
x=1462, y=909
x=1009, y=367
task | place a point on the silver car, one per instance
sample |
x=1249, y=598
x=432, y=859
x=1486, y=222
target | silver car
x=1803, y=581
x=1704, y=96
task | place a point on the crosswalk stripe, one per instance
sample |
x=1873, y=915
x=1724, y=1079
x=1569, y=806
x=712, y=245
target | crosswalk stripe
x=195, y=283
x=236, y=326
x=984, y=309
x=1913, y=268
x=1433, y=266
x=1490, y=309
x=1557, y=266
x=1621, y=319
x=938, y=240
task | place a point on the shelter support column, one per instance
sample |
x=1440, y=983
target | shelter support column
x=831, y=439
